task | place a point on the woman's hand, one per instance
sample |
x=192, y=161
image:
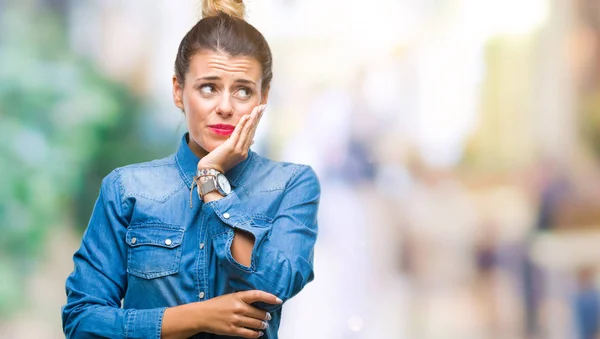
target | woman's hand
x=233, y=314
x=230, y=314
x=235, y=149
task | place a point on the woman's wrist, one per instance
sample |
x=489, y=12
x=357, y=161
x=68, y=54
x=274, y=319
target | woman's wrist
x=184, y=321
x=199, y=313
x=212, y=196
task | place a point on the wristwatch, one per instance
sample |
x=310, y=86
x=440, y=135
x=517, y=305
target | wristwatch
x=216, y=181
x=206, y=172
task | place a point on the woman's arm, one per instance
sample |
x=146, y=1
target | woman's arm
x=230, y=314
x=276, y=259
x=98, y=282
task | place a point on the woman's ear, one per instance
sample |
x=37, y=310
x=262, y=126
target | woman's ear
x=177, y=93
x=265, y=95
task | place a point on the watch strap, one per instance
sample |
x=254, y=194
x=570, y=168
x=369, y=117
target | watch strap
x=206, y=172
x=207, y=186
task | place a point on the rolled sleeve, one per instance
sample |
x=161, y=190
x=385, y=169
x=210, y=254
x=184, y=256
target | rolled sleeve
x=282, y=256
x=225, y=215
x=145, y=323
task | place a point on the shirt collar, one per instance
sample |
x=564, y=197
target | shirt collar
x=187, y=163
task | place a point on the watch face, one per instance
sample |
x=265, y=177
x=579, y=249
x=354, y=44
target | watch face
x=223, y=184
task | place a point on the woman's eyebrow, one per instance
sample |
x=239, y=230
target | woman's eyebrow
x=245, y=81
x=209, y=78
x=218, y=78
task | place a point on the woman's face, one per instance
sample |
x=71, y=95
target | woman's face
x=218, y=91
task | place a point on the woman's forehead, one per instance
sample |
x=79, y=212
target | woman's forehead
x=207, y=63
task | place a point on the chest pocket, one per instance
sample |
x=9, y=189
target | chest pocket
x=154, y=250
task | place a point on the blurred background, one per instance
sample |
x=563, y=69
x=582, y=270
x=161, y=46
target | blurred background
x=457, y=143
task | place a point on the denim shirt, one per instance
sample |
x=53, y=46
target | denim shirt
x=146, y=249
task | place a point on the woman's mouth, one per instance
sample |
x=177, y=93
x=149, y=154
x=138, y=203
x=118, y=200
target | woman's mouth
x=222, y=129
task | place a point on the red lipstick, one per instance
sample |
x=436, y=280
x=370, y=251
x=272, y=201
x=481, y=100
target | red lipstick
x=222, y=129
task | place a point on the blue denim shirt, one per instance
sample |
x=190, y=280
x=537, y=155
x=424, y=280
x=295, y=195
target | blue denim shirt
x=146, y=249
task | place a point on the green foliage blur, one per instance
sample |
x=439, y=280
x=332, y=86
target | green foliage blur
x=590, y=120
x=63, y=127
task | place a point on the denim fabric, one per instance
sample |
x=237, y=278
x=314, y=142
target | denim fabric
x=145, y=248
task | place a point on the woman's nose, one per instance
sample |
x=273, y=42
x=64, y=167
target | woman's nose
x=224, y=107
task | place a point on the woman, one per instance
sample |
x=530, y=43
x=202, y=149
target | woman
x=217, y=263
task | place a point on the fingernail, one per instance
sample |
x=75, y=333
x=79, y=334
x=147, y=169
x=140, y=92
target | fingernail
x=269, y=316
x=265, y=325
x=279, y=301
x=260, y=334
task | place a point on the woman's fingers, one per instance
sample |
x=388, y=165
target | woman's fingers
x=258, y=116
x=237, y=317
x=235, y=136
x=246, y=131
x=253, y=324
x=247, y=333
x=253, y=296
x=257, y=313
x=250, y=137
x=247, y=126
x=251, y=327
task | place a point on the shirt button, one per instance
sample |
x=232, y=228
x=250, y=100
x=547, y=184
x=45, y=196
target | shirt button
x=201, y=295
x=201, y=245
x=133, y=240
x=226, y=215
x=168, y=242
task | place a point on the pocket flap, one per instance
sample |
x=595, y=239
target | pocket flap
x=155, y=236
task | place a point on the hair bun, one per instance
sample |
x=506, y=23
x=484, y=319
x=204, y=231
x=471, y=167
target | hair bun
x=235, y=8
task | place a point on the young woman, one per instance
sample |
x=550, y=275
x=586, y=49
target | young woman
x=217, y=263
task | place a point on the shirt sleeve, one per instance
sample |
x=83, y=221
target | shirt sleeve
x=99, y=279
x=282, y=257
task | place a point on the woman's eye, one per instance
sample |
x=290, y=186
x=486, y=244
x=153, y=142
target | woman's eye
x=244, y=92
x=208, y=89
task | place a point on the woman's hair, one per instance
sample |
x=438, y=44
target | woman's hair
x=223, y=29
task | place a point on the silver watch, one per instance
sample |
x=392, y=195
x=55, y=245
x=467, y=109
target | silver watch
x=216, y=182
